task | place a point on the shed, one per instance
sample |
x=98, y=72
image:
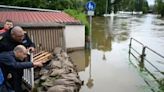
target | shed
x=46, y=35
x=48, y=28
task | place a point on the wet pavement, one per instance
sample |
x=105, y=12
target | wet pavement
x=106, y=68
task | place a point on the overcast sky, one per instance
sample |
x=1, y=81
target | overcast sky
x=151, y=2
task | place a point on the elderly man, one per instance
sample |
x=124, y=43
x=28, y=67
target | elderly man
x=9, y=64
x=8, y=25
x=12, y=38
x=16, y=36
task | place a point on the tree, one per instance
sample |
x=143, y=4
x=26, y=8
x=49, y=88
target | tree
x=116, y=4
x=159, y=4
x=133, y=5
x=145, y=7
x=100, y=6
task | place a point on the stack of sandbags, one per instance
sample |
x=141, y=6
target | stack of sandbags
x=59, y=75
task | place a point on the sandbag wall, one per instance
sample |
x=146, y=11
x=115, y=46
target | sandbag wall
x=58, y=75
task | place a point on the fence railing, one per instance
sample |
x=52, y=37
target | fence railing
x=28, y=76
x=142, y=58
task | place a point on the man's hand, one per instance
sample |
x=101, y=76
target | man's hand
x=37, y=64
x=9, y=76
x=31, y=49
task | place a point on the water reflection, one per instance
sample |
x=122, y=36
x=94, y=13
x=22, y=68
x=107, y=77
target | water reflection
x=120, y=30
x=101, y=35
x=109, y=29
x=110, y=44
x=80, y=59
x=83, y=60
x=90, y=79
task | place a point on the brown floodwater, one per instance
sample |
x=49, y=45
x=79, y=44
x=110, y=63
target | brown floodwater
x=107, y=67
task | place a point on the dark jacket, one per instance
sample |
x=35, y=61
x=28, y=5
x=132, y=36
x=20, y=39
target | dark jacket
x=9, y=64
x=8, y=44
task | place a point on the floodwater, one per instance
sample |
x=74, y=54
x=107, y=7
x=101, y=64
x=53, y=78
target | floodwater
x=107, y=67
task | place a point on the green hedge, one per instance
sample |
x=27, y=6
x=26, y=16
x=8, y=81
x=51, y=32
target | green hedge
x=80, y=16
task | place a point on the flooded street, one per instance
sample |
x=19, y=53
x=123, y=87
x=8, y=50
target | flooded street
x=107, y=68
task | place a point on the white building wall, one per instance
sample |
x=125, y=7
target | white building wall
x=75, y=36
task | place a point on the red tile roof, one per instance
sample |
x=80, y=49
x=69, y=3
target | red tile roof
x=35, y=17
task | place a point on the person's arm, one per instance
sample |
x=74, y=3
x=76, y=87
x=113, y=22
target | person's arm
x=10, y=61
x=31, y=44
x=17, y=65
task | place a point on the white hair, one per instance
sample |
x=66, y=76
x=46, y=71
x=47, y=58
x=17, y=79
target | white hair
x=17, y=29
x=19, y=48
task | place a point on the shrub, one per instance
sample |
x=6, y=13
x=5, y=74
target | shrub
x=80, y=16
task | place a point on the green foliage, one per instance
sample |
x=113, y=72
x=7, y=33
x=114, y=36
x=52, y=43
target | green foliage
x=160, y=7
x=145, y=7
x=81, y=16
x=134, y=5
x=100, y=6
x=129, y=5
x=121, y=5
x=50, y=4
x=59, y=4
x=161, y=87
x=25, y=3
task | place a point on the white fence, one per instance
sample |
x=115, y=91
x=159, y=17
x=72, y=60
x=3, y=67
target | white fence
x=28, y=76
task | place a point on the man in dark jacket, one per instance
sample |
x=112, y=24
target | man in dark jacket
x=9, y=64
x=10, y=39
x=15, y=36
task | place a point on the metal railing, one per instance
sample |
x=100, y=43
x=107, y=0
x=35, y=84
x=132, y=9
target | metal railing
x=28, y=76
x=142, y=58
